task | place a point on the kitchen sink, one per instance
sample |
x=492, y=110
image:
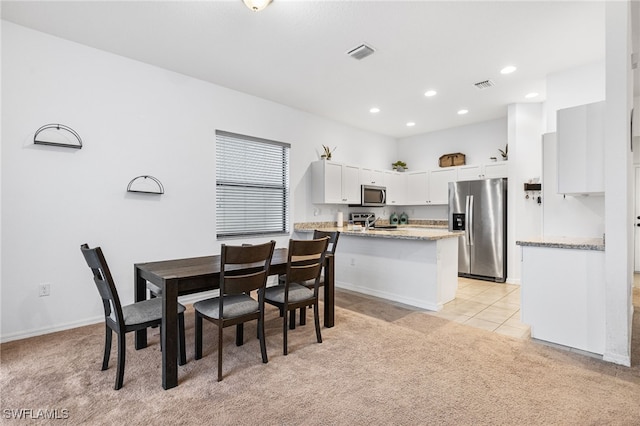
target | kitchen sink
x=385, y=227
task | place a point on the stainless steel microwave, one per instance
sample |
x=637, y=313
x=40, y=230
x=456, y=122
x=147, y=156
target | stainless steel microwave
x=373, y=196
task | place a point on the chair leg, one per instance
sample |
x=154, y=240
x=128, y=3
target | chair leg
x=284, y=335
x=263, y=345
x=107, y=347
x=316, y=319
x=198, y=339
x=181, y=340
x=121, y=360
x=220, y=329
x=239, y=334
x=303, y=316
x=292, y=319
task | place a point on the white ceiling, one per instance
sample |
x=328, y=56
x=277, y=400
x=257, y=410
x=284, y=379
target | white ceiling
x=293, y=52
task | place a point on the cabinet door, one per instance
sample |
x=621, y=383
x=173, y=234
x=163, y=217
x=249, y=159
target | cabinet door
x=439, y=185
x=350, y=184
x=469, y=173
x=580, y=135
x=496, y=170
x=417, y=188
x=371, y=177
x=396, y=187
x=333, y=183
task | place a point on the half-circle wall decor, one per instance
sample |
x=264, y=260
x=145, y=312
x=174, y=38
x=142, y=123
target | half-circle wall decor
x=146, y=185
x=63, y=133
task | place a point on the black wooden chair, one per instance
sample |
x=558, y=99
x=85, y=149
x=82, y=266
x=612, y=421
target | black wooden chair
x=234, y=305
x=304, y=264
x=123, y=319
x=331, y=250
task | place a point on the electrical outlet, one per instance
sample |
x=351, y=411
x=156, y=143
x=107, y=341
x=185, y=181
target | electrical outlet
x=353, y=262
x=44, y=289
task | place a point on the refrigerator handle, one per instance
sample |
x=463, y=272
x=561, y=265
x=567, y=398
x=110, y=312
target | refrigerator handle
x=470, y=223
x=467, y=200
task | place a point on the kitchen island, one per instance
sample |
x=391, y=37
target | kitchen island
x=414, y=265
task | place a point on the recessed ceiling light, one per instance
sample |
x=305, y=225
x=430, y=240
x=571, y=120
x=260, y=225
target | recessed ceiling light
x=411, y=124
x=531, y=95
x=374, y=110
x=430, y=93
x=508, y=70
x=463, y=111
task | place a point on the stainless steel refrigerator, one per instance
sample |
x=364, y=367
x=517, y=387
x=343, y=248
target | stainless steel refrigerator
x=479, y=208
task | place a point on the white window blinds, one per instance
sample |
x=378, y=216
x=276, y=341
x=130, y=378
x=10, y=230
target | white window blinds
x=252, y=186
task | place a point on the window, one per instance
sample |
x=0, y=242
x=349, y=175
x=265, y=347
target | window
x=252, y=186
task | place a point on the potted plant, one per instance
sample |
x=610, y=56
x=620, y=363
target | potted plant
x=400, y=166
x=505, y=153
x=327, y=152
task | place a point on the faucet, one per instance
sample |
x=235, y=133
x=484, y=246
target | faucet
x=368, y=224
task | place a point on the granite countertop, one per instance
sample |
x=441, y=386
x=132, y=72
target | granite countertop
x=403, y=232
x=576, y=243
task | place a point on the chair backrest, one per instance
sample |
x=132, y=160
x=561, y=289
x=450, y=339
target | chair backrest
x=305, y=260
x=240, y=257
x=105, y=284
x=333, y=239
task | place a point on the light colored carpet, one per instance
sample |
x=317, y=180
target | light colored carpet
x=418, y=369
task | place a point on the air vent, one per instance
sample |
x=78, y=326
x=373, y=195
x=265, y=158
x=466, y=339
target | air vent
x=484, y=84
x=361, y=51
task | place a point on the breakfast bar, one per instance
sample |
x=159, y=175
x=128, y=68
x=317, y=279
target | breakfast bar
x=414, y=265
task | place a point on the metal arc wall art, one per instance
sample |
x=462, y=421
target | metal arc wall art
x=142, y=185
x=59, y=128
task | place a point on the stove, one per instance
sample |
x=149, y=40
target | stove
x=362, y=218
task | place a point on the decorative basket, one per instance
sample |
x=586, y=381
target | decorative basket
x=449, y=160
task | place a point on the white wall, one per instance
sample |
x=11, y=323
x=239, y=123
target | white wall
x=134, y=119
x=525, y=165
x=572, y=87
x=478, y=142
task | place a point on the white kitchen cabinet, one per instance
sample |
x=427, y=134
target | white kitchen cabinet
x=371, y=177
x=483, y=171
x=439, y=185
x=564, y=305
x=429, y=187
x=580, y=149
x=335, y=183
x=396, y=184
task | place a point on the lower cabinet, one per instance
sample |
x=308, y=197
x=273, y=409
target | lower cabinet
x=562, y=296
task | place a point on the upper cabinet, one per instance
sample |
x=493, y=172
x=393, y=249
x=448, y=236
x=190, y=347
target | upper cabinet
x=396, y=184
x=335, y=183
x=484, y=171
x=429, y=187
x=580, y=149
x=371, y=177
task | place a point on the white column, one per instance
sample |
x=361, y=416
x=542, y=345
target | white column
x=618, y=184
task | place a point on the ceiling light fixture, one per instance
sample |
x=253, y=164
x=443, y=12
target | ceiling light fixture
x=256, y=5
x=374, y=110
x=531, y=95
x=463, y=111
x=508, y=70
x=411, y=124
x=430, y=93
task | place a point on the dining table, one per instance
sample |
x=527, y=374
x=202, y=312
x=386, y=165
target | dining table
x=180, y=277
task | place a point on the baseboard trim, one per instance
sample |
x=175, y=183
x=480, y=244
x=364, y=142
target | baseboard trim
x=47, y=330
x=390, y=296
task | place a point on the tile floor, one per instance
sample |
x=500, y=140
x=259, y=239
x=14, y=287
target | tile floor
x=481, y=304
x=487, y=305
